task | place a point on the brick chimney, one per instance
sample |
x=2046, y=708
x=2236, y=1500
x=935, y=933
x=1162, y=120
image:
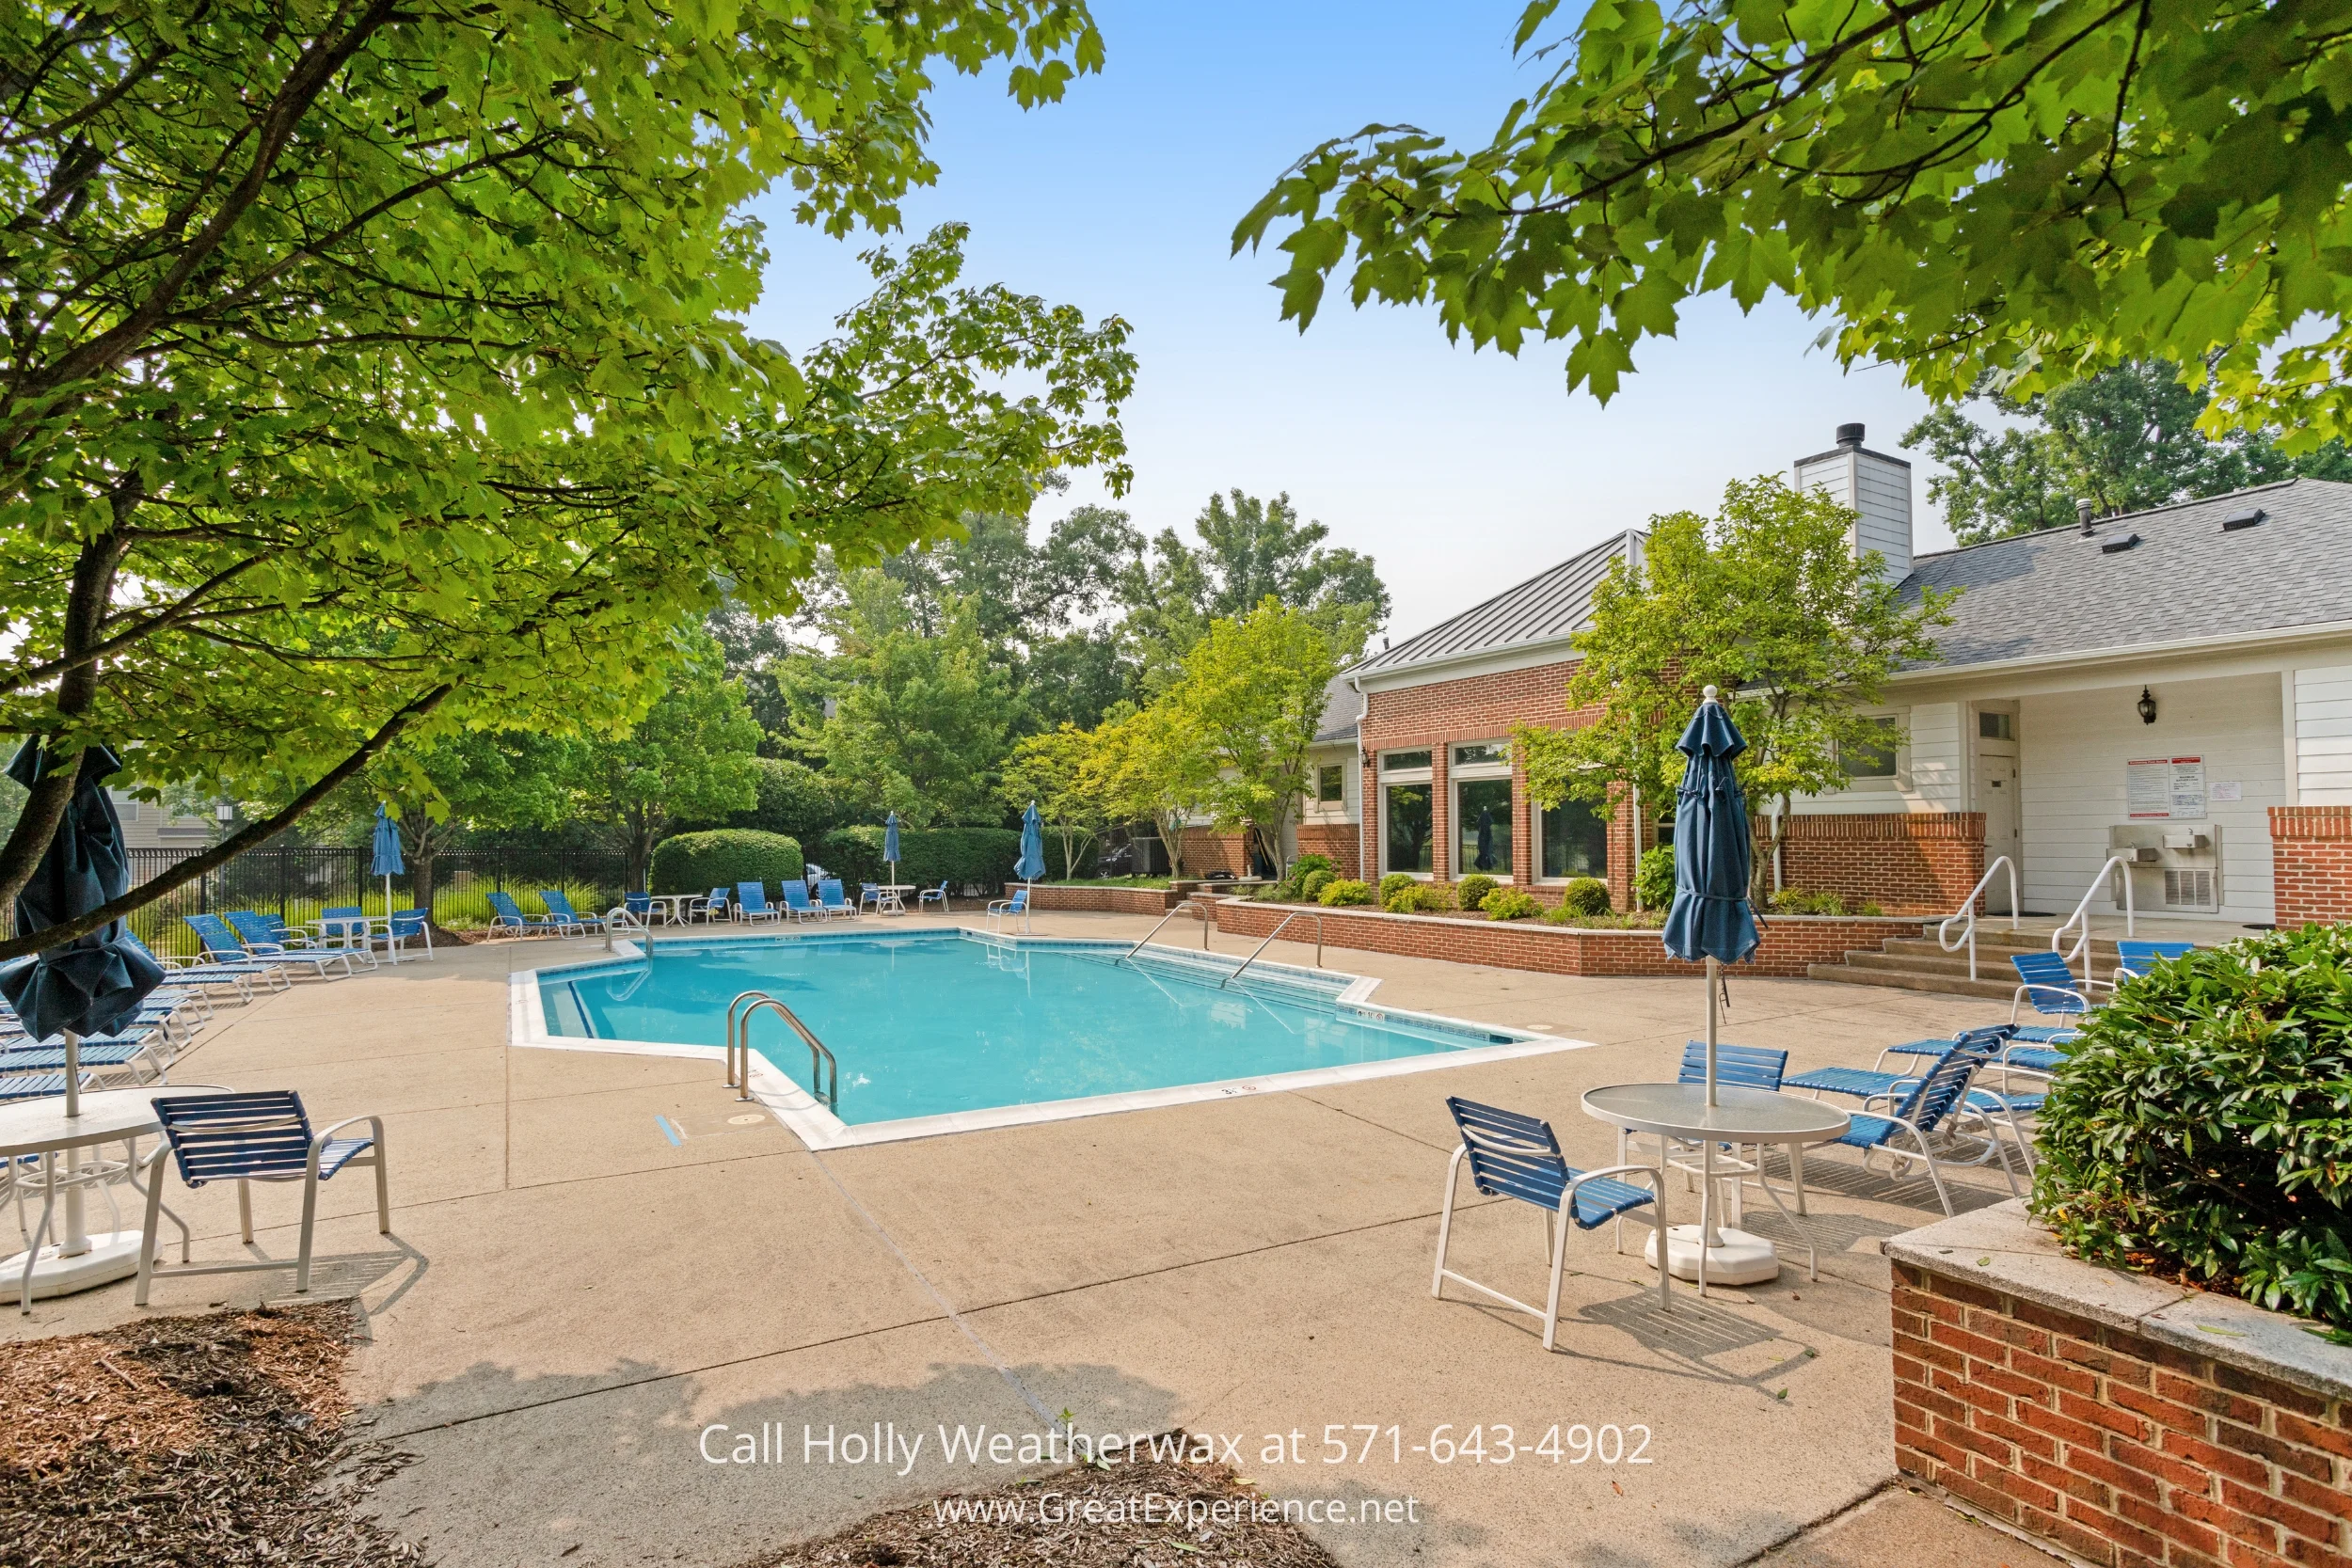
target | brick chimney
x=1876, y=487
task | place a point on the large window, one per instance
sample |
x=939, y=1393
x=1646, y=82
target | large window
x=1575, y=842
x=1482, y=819
x=1405, y=824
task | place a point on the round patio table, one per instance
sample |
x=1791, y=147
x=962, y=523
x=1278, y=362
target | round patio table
x=1739, y=1116
x=894, y=897
x=79, y=1260
x=673, y=906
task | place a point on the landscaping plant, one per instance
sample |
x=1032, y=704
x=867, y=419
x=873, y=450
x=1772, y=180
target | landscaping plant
x=696, y=862
x=1393, y=883
x=1585, y=895
x=1654, y=877
x=1344, y=893
x=1511, y=904
x=1471, y=892
x=2203, y=1124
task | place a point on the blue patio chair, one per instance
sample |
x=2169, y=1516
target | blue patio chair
x=1922, y=1117
x=715, y=906
x=638, y=905
x=242, y=935
x=508, y=916
x=560, y=911
x=203, y=975
x=869, y=892
x=408, y=925
x=1516, y=1156
x=751, y=900
x=1001, y=909
x=930, y=895
x=2051, y=986
x=254, y=1138
x=833, y=900
x=2137, y=958
x=796, y=902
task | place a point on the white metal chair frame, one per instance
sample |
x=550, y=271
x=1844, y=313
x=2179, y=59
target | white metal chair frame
x=310, y=1179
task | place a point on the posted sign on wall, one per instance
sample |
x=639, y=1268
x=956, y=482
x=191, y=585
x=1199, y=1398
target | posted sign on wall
x=2156, y=788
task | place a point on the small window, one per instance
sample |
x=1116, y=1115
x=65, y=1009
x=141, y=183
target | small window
x=1482, y=754
x=1330, y=783
x=1996, y=726
x=1871, y=759
x=1396, y=762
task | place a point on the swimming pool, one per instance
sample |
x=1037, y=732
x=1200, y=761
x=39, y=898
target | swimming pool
x=942, y=1030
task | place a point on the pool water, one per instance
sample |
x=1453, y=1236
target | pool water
x=930, y=1024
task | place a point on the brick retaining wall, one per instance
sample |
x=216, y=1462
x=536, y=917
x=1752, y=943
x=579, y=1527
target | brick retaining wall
x=2311, y=862
x=1790, y=943
x=1113, y=900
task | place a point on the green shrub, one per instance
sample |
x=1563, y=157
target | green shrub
x=1391, y=882
x=1308, y=863
x=1419, y=899
x=1868, y=908
x=696, y=862
x=1311, y=886
x=1789, y=900
x=2202, y=1122
x=1584, y=896
x=1344, y=892
x=1472, y=891
x=1511, y=904
x=1654, y=877
x=964, y=858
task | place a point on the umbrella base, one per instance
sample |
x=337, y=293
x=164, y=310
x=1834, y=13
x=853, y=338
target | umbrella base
x=112, y=1256
x=1737, y=1258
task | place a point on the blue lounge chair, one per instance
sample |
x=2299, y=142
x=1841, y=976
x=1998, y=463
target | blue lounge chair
x=796, y=902
x=2137, y=958
x=1516, y=1156
x=99, y=1053
x=38, y=1086
x=751, y=900
x=2051, y=988
x=834, y=901
x=930, y=895
x=1875, y=1081
x=715, y=906
x=509, y=916
x=1918, y=1120
x=560, y=911
x=247, y=941
x=247, y=1138
x=204, y=975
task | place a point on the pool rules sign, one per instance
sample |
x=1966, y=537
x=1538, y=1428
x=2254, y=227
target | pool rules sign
x=2162, y=788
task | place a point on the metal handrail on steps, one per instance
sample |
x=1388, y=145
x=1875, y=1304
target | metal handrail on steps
x=1967, y=911
x=1201, y=911
x=739, y=1014
x=1269, y=942
x=2082, y=915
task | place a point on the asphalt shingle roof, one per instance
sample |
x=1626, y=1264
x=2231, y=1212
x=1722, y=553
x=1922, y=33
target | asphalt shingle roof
x=1343, y=710
x=2053, y=592
x=1544, y=609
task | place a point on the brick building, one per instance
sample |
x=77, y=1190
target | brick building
x=2173, y=688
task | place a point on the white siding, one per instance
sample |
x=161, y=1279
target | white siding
x=2323, y=737
x=1879, y=491
x=1930, y=770
x=1833, y=473
x=2073, y=747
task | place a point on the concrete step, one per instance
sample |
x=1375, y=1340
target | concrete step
x=1997, y=949
x=1944, y=985
x=1988, y=966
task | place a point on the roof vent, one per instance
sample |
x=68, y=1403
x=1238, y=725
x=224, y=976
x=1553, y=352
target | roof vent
x=2116, y=547
x=2247, y=518
x=2085, y=509
x=1850, y=436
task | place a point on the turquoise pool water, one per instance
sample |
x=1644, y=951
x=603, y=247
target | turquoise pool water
x=927, y=1023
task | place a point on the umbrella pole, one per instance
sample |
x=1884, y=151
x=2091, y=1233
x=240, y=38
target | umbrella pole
x=389, y=946
x=1714, y=990
x=74, y=1240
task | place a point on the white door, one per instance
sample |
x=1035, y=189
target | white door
x=2003, y=822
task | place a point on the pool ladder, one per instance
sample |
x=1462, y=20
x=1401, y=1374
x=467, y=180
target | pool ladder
x=1200, y=912
x=824, y=1073
x=1294, y=914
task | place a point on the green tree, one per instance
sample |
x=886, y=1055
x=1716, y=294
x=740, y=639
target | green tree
x=2125, y=438
x=1250, y=550
x=901, y=722
x=1056, y=768
x=1153, y=764
x=1764, y=601
x=458, y=785
x=1252, y=692
x=2032, y=188
x=692, y=755
x=380, y=367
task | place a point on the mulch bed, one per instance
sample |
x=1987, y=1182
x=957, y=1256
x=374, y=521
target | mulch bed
x=209, y=1442
x=1143, y=1516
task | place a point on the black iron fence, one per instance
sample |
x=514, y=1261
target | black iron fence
x=296, y=885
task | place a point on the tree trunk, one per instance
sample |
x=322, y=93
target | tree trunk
x=420, y=879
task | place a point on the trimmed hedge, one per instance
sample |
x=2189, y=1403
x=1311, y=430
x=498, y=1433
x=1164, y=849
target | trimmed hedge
x=2202, y=1122
x=696, y=862
x=1343, y=893
x=1511, y=904
x=1585, y=895
x=1471, y=892
x=960, y=857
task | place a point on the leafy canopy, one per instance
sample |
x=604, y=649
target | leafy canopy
x=1251, y=697
x=1250, y=549
x=2034, y=189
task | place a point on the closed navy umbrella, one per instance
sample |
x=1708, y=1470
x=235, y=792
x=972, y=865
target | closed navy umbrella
x=890, y=846
x=1714, y=854
x=1032, y=863
x=387, y=864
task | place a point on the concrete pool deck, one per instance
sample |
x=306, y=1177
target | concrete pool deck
x=599, y=1261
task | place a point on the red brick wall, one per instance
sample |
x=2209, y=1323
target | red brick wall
x=1335, y=839
x=1207, y=850
x=1916, y=863
x=2310, y=859
x=2123, y=1450
x=1117, y=900
x=1790, y=944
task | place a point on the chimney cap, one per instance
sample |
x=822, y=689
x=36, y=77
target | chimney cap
x=1849, y=435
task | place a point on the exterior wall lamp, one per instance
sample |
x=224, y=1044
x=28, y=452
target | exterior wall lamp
x=2147, y=705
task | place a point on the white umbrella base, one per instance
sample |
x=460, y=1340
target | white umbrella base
x=1737, y=1258
x=113, y=1254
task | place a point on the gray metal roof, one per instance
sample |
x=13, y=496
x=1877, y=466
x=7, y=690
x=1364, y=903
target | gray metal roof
x=2042, y=595
x=1547, y=608
x=1342, y=710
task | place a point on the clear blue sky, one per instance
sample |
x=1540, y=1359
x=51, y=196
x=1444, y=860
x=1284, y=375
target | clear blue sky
x=1460, y=472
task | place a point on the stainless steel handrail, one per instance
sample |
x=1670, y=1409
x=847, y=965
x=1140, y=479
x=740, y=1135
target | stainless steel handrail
x=1968, y=910
x=2082, y=914
x=823, y=1085
x=1269, y=942
x=1201, y=911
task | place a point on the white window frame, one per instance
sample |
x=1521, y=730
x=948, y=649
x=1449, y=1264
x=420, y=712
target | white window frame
x=1461, y=773
x=1536, y=844
x=1898, y=782
x=1407, y=776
